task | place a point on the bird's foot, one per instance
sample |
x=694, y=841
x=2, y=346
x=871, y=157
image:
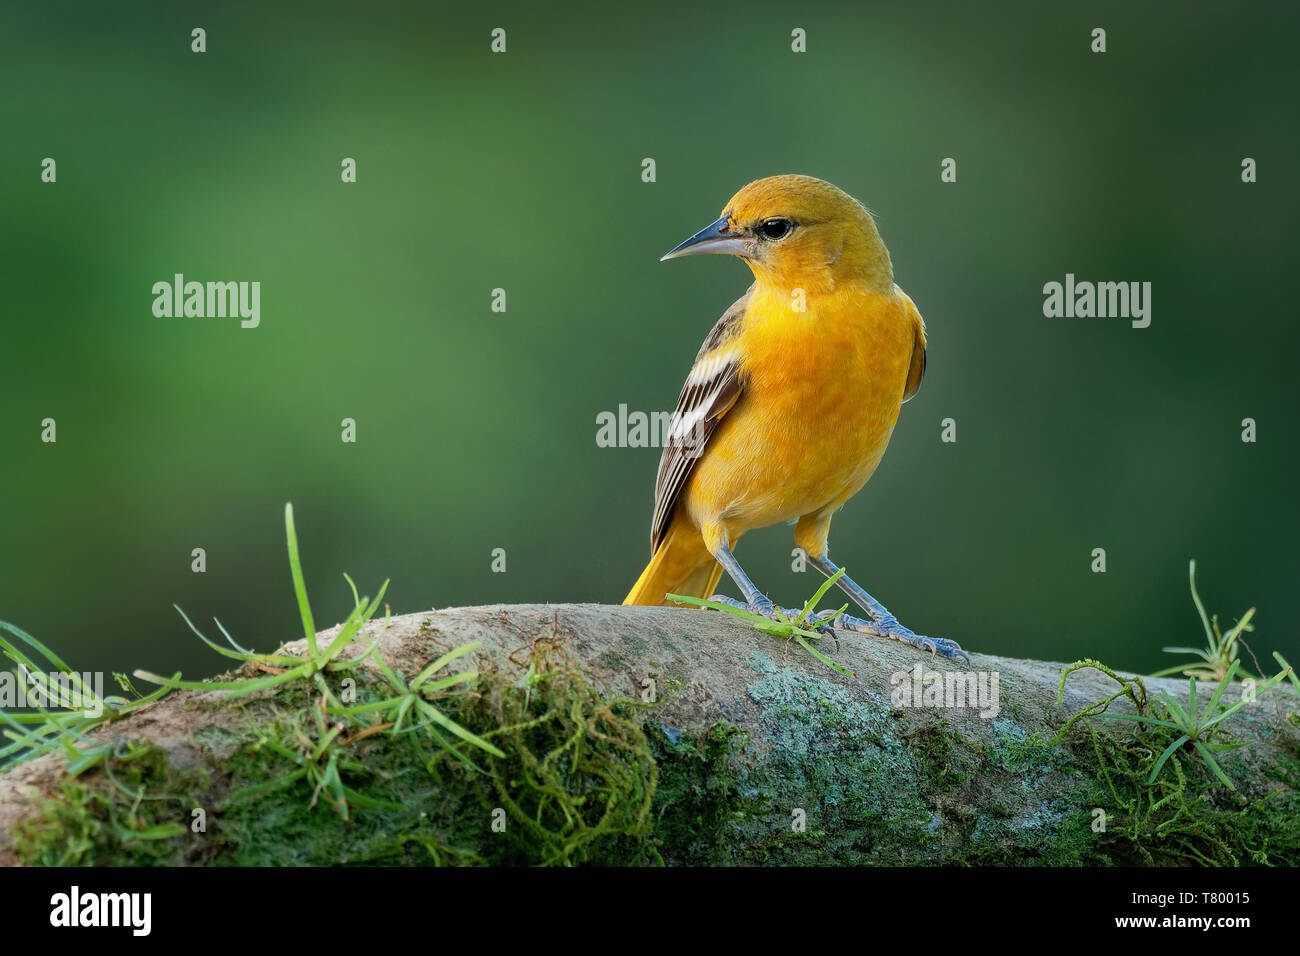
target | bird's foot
x=889, y=627
x=819, y=622
x=764, y=608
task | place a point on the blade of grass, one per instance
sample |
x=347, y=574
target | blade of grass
x=299, y=585
x=1213, y=764
x=1200, y=608
x=1155, y=771
x=442, y=662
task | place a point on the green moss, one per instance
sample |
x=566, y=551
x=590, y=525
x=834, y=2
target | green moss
x=128, y=810
x=1185, y=815
x=575, y=786
x=946, y=760
x=698, y=808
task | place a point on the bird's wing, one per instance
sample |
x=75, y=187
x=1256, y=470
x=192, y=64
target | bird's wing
x=711, y=389
x=916, y=371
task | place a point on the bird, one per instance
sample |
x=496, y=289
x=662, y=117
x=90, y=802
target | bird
x=791, y=401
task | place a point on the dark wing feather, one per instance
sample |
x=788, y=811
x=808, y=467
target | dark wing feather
x=916, y=371
x=711, y=389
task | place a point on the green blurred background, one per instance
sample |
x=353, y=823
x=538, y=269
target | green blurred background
x=476, y=430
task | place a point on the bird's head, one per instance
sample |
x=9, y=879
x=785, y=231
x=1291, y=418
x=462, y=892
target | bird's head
x=797, y=231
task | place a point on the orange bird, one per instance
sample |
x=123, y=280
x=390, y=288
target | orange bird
x=792, y=398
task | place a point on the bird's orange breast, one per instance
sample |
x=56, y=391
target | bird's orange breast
x=821, y=394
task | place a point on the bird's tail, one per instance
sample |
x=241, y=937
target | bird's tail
x=681, y=565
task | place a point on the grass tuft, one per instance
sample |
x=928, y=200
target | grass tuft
x=800, y=628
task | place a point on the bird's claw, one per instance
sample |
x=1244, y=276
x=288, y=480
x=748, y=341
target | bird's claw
x=890, y=628
x=822, y=622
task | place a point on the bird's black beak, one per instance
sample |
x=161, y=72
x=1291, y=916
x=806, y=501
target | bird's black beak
x=718, y=238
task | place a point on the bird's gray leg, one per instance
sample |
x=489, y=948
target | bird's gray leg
x=759, y=603
x=882, y=623
x=756, y=602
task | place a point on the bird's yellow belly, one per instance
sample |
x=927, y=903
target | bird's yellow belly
x=820, y=400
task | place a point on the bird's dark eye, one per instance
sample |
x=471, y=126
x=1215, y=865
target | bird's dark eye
x=776, y=228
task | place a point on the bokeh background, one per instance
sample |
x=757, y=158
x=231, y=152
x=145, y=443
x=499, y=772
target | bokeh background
x=476, y=430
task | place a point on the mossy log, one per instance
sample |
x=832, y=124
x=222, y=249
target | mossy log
x=751, y=752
